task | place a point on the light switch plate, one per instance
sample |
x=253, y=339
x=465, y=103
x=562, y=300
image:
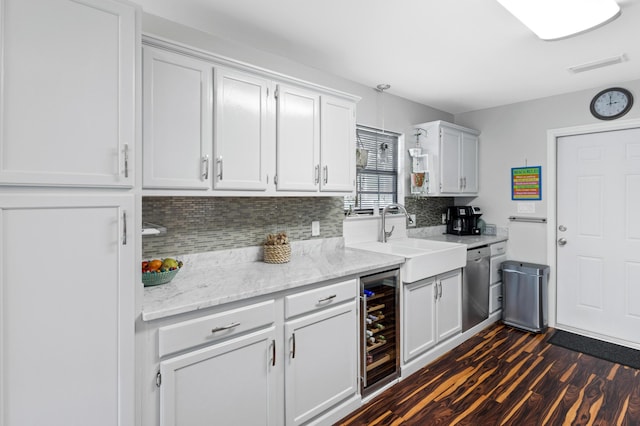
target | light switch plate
x=315, y=228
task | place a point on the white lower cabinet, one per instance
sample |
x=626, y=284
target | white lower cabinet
x=432, y=312
x=290, y=360
x=498, y=255
x=321, y=366
x=230, y=383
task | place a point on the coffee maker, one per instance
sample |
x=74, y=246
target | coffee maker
x=463, y=220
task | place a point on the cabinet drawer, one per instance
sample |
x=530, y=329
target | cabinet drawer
x=495, y=297
x=494, y=273
x=199, y=331
x=311, y=300
x=498, y=248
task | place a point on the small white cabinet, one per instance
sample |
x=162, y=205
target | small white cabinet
x=178, y=120
x=298, y=139
x=453, y=158
x=338, y=145
x=68, y=92
x=228, y=383
x=432, y=312
x=241, y=140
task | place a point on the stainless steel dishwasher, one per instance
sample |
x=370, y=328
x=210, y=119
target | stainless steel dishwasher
x=475, y=287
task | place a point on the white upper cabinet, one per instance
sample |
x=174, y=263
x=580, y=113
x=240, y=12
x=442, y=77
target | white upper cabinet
x=177, y=116
x=298, y=139
x=338, y=145
x=241, y=131
x=68, y=92
x=453, y=158
x=231, y=129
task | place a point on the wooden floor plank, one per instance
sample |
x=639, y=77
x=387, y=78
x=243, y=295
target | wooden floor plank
x=507, y=376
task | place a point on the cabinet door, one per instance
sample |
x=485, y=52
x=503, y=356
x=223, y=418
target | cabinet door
x=177, y=120
x=338, y=146
x=298, y=139
x=321, y=367
x=240, y=131
x=449, y=306
x=419, y=317
x=230, y=383
x=469, y=163
x=450, y=180
x=68, y=92
x=67, y=310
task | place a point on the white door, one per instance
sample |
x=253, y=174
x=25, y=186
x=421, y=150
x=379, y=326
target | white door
x=177, y=140
x=449, y=305
x=315, y=381
x=418, y=330
x=598, y=253
x=450, y=180
x=68, y=92
x=469, y=162
x=241, y=132
x=298, y=139
x=230, y=383
x=67, y=310
x=338, y=145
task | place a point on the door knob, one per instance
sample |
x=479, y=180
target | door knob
x=562, y=241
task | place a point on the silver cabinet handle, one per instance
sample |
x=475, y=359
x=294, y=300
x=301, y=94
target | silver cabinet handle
x=126, y=160
x=326, y=174
x=226, y=327
x=333, y=296
x=562, y=241
x=273, y=352
x=440, y=290
x=317, y=174
x=124, y=228
x=219, y=161
x=293, y=345
x=205, y=167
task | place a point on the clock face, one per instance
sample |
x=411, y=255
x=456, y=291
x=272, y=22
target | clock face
x=611, y=103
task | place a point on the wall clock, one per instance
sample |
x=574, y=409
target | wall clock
x=611, y=103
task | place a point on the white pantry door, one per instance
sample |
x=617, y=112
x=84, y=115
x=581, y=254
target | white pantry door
x=598, y=235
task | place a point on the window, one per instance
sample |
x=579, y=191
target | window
x=377, y=183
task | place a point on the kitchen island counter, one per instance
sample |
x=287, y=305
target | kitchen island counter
x=215, y=278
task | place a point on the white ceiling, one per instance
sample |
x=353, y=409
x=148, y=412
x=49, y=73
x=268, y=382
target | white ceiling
x=454, y=55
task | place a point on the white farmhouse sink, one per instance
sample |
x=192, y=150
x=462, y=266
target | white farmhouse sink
x=423, y=258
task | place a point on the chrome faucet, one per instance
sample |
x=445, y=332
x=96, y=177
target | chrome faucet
x=384, y=235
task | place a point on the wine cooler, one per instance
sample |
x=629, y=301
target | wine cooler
x=379, y=330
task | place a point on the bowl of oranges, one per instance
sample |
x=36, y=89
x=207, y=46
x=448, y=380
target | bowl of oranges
x=159, y=271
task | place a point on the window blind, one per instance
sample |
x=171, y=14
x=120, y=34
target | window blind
x=377, y=183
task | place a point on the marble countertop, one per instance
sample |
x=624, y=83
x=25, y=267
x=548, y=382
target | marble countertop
x=215, y=278
x=472, y=241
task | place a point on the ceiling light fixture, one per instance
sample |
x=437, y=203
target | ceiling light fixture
x=557, y=19
x=598, y=64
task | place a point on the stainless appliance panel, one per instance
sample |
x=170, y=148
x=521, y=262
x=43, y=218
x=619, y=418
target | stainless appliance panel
x=475, y=287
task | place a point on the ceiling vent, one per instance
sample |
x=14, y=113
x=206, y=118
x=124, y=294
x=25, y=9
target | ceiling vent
x=598, y=64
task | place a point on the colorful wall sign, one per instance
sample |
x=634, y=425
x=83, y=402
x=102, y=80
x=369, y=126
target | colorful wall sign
x=526, y=183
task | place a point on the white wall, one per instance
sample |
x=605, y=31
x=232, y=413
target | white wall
x=399, y=113
x=515, y=135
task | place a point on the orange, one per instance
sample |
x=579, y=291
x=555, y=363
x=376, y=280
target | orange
x=154, y=265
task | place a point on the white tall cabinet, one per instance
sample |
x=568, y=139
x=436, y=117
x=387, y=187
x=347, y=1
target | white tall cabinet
x=67, y=212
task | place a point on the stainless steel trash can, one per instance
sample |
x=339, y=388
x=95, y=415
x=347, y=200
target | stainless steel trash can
x=524, y=302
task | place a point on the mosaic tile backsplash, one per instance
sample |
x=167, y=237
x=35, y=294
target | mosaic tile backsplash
x=197, y=225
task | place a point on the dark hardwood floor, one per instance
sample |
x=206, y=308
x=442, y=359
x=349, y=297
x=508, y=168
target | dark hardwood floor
x=503, y=376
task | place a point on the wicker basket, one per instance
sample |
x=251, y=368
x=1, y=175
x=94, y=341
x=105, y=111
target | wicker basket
x=280, y=253
x=156, y=278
